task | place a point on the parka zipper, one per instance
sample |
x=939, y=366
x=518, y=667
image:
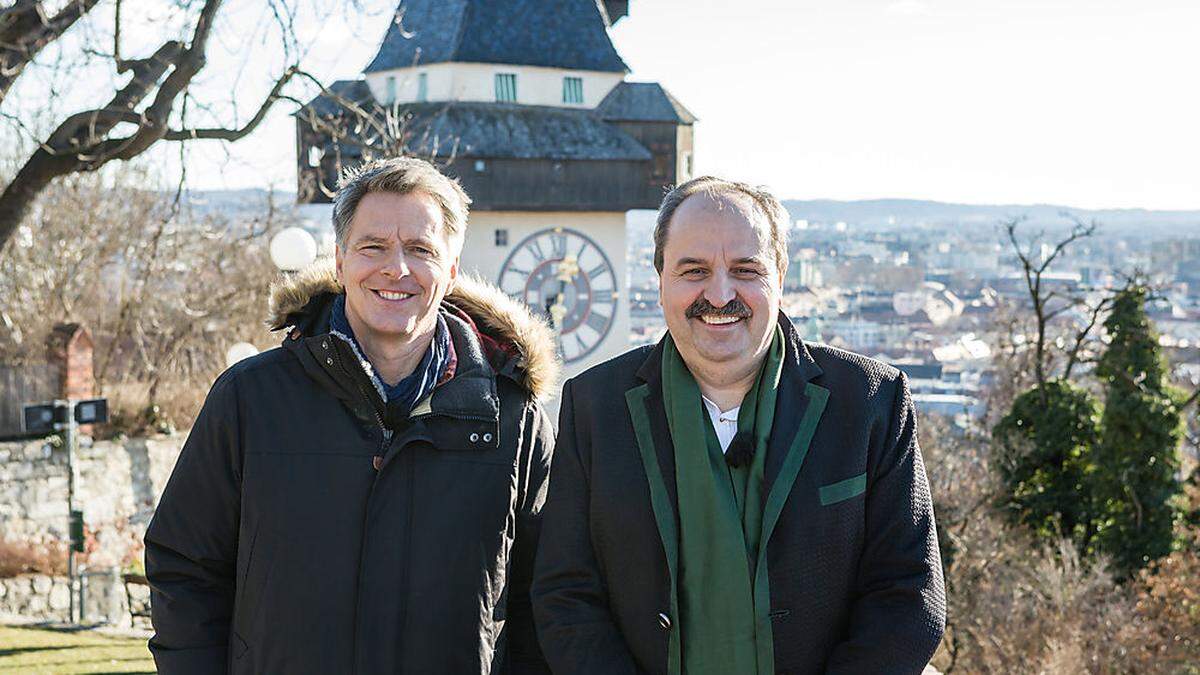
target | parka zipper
x=377, y=463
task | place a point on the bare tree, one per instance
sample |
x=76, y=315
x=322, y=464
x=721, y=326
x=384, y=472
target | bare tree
x=164, y=290
x=345, y=126
x=150, y=105
x=26, y=28
x=1048, y=304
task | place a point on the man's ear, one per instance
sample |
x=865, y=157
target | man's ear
x=453, y=275
x=338, y=257
x=660, y=289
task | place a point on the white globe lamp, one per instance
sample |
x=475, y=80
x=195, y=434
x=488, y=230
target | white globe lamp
x=293, y=249
x=239, y=351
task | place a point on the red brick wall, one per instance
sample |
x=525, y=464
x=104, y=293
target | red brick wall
x=71, y=347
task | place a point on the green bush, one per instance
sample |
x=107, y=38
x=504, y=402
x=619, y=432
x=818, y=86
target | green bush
x=1045, y=448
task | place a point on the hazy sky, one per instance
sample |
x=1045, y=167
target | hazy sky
x=1088, y=103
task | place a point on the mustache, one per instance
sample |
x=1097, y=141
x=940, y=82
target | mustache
x=702, y=306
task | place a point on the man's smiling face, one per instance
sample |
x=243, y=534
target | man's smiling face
x=720, y=287
x=396, y=266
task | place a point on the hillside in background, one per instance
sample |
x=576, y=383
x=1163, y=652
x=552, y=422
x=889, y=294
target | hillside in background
x=873, y=213
x=884, y=213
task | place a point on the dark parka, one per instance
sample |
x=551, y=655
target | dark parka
x=296, y=536
x=855, y=577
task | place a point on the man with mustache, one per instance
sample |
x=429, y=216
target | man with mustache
x=365, y=498
x=733, y=500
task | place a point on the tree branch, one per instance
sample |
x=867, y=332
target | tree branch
x=81, y=142
x=1079, y=230
x=246, y=129
x=1082, y=335
x=1191, y=399
x=25, y=30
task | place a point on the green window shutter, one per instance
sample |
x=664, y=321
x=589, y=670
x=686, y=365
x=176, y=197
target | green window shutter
x=572, y=90
x=506, y=87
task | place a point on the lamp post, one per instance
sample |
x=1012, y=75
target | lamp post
x=66, y=416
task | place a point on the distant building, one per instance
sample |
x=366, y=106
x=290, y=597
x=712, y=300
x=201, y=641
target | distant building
x=526, y=103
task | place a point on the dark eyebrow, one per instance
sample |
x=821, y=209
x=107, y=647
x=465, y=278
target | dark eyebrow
x=370, y=239
x=756, y=260
x=690, y=261
x=423, y=241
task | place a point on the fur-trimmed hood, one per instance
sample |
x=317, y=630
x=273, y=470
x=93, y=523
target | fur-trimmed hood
x=505, y=321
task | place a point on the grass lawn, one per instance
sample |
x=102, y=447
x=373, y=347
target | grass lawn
x=37, y=650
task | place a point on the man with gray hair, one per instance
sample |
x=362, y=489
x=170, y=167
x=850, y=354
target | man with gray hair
x=365, y=498
x=734, y=500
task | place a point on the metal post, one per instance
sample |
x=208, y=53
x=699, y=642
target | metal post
x=70, y=443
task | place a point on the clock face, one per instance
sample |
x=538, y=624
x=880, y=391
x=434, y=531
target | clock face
x=566, y=278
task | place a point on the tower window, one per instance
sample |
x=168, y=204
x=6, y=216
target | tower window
x=391, y=89
x=506, y=87
x=501, y=237
x=572, y=90
x=423, y=86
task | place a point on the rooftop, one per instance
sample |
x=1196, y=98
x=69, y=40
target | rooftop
x=643, y=102
x=567, y=34
x=497, y=130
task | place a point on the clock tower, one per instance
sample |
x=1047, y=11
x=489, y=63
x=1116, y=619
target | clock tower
x=526, y=103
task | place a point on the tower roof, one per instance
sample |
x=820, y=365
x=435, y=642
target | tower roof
x=643, y=102
x=567, y=34
x=493, y=130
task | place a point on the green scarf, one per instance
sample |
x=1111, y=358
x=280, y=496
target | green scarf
x=720, y=524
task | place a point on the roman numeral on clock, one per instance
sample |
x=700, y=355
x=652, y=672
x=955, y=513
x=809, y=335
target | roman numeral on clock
x=559, y=242
x=597, y=322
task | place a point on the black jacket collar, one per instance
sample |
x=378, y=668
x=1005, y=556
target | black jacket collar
x=469, y=394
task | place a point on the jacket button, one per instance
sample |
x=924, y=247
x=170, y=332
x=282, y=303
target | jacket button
x=664, y=621
x=474, y=438
x=487, y=438
x=324, y=344
x=329, y=362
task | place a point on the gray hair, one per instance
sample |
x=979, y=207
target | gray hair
x=399, y=175
x=763, y=201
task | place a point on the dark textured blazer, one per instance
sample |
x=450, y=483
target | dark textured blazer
x=855, y=577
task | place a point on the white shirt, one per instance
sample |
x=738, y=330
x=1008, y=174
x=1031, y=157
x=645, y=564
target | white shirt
x=724, y=423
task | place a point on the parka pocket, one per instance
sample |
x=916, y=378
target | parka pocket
x=252, y=584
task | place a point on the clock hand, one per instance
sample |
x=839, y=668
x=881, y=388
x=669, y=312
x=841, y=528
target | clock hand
x=566, y=269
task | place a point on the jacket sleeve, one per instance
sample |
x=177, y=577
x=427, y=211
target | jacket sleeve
x=191, y=544
x=537, y=444
x=577, y=631
x=900, y=614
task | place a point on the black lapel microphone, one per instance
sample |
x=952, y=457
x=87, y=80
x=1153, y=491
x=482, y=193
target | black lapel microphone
x=741, y=450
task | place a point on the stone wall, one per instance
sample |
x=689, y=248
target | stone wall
x=117, y=485
x=100, y=596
